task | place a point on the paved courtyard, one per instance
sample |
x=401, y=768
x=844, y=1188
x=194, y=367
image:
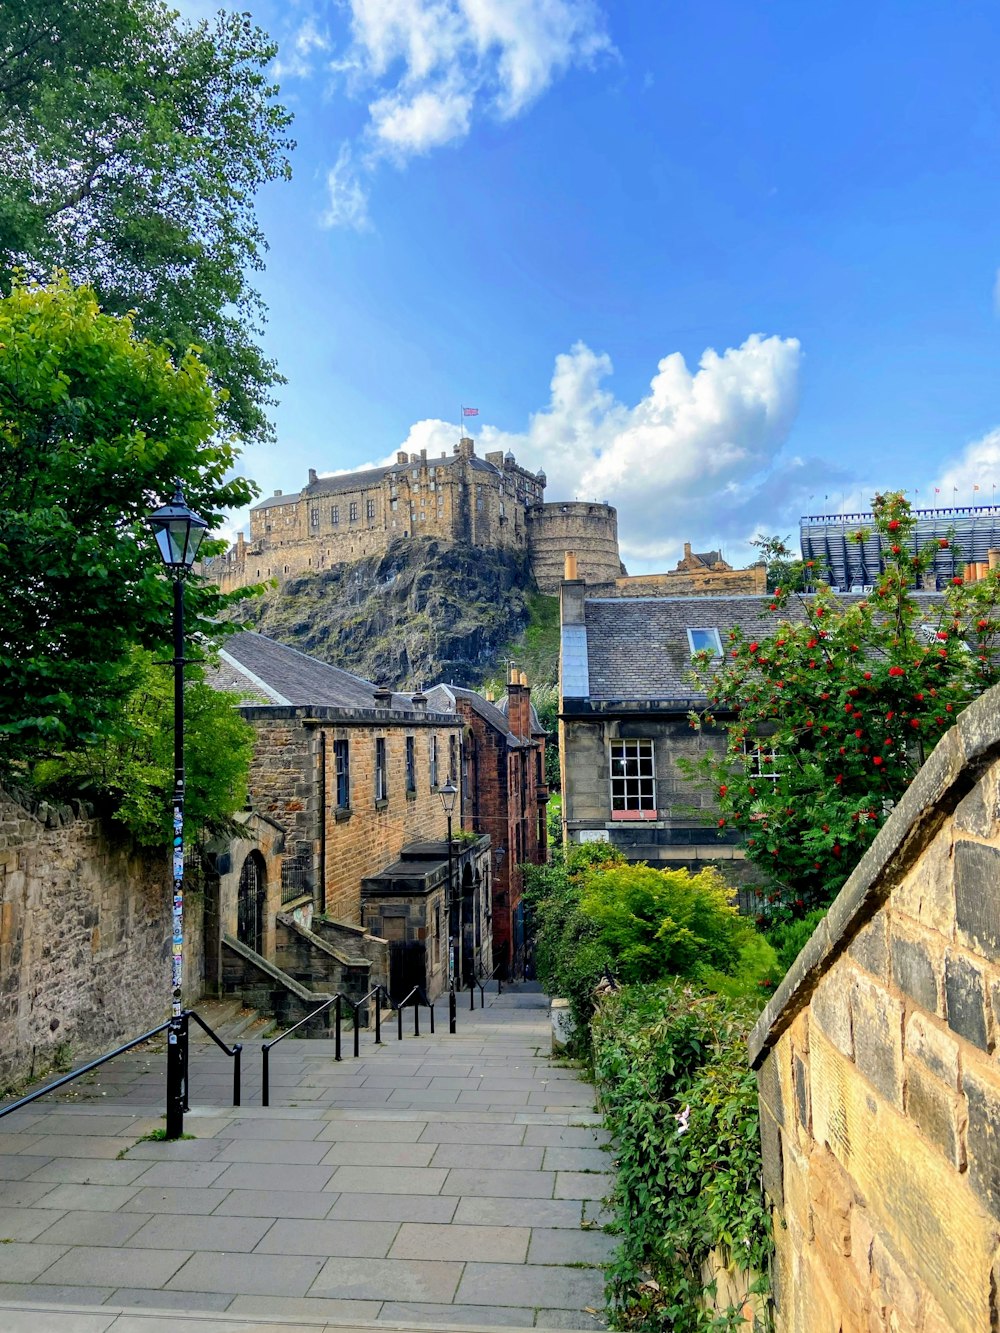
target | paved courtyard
x=447, y=1180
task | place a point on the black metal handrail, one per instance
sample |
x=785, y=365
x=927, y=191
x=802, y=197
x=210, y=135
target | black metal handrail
x=235, y=1053
x=265, y=1049
x=337, y=1001
x=482, y=979
x=419, y=997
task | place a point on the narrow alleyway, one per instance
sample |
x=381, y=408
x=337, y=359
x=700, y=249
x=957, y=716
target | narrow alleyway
x=450, y=1181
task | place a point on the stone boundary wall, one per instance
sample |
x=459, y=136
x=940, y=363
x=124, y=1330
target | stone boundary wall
x=878, y=1078
x=84, y=937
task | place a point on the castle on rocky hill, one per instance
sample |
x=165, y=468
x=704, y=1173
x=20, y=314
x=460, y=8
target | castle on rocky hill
x=489, y=502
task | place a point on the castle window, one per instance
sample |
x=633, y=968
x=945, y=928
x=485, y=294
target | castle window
x=479, y=499
x=314, y=517
x=370, y=510
x=415, y=473
x=335, y=516
x=633, y=785
x=393, y=505
x=701, y=640
x=353, y=512
x=381, y=771
x=432, y=759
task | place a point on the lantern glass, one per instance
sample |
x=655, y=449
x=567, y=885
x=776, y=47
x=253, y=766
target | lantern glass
x=448, y=793
x=179, y=532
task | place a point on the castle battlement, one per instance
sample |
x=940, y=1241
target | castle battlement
x=491, y=502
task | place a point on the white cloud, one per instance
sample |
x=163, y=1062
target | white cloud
x=698, y=458
x=429, y=69
x=347, y=197
x=973, y=477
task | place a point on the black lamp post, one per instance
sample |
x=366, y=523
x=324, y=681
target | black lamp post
x=448, y=794
x=179, y=533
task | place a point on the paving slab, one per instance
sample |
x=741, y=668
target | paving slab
x=334, y=1237
x=109, y=1266
x=519, y=1212
x=79, y=1171
x=25, y=1223
x=495, y=1157
x=166, y=1199
x=393, y=1207
x=390, y=1279
x=501, y=1184
x=541, y=1287
x=91, y=1228
x=309, y=1307
x=227, y=1234
x=377, y=1154
x=373, y=1131
x=583, y=1184
x=157, y=1299
x=274, y=1204
x=413, y=1312
x=576, y=1159
x=388, y=1180
x=552, y=1246
x=265, y=1175
x=289, y=1153
x=249, y=1274
x=418, y=1240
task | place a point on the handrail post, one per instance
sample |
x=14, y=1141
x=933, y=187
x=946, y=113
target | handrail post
x=336, y=1040
x=357, y=1030
x=177, y=1035
x=265, y=1088
x=451, y=1010
x=472, y=993
x=237, y=1062
x=416, y=1015
x=431, y=1008
x=378, y=1019
x=399, y=1022
x=185, y=1053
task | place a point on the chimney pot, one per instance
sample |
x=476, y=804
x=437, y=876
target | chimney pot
x=570, y=571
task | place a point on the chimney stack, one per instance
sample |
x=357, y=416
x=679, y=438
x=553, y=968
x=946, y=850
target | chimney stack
x=383, y=696
x=419, y=700
x=519, y=704
x=312, y=476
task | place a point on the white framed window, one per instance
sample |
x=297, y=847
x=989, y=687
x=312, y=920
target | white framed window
x=701, y=640
x=763, y=760
x=633, y=781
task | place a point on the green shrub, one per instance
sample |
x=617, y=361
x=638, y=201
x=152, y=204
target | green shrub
x=681, y=1102
x=789, y=938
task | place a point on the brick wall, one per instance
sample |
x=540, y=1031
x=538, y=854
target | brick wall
x=879, y=1085
x=293, y=780
x=84, y=937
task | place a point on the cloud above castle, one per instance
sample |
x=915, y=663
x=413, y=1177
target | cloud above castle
x=700, y=456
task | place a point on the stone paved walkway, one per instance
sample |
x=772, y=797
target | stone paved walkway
x=448, y=1180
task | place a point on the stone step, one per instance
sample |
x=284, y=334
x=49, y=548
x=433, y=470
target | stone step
x=22, y=1317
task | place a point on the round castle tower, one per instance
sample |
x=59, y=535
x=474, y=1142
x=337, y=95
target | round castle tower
x=588, y=529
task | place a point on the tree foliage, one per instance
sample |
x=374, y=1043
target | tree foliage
x=829, y=717
x=95, y=425
x=594, y=914
x=129, y=772
x=132, y=145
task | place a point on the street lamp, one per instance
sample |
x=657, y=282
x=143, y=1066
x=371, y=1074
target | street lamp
x=179, y=533
x=449, y=794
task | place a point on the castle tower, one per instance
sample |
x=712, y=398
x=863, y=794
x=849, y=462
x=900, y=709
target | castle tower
x=589, y=530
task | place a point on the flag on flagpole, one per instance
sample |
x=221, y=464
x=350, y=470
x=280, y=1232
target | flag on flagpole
x=470, y=411
x=975, y=488
x=937, y=490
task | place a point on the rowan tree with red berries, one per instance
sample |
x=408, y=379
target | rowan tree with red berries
x=829, y=716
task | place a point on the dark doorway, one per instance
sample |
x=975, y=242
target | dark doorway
x=250, y=903
x=407, y=967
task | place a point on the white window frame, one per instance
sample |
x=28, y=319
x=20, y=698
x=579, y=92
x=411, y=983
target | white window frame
x=755, y=752
x=632, y=778
x=705, y=629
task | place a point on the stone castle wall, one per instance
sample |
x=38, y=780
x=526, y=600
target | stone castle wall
x=488, y=502
x=84, y=938
x=693, y=583
x=588, y=530
x=876, y=1063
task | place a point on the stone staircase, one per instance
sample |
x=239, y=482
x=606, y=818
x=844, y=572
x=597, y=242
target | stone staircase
x=232, y=1021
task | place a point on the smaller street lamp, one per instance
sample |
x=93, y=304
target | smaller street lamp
x=449, y=794
x=179, y=532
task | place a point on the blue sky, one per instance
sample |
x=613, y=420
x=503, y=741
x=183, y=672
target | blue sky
x=703, y=261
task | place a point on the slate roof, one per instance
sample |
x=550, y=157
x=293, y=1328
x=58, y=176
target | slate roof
x=536, y=727
x=367, y=477
x=638, y=648
x=265, y=668
x=442, y=698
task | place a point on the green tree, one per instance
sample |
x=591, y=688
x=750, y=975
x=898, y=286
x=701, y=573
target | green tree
x=132, y=145
x=828, y=718
x=95, y=424
x=129, y=772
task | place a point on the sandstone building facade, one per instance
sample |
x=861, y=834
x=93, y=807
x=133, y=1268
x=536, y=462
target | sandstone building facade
x=491, y=502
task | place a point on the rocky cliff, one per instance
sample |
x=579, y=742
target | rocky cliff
x=422, y=611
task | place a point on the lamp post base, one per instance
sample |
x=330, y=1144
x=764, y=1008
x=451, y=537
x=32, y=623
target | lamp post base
x=177, y=1071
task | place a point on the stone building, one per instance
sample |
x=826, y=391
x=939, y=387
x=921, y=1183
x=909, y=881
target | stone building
x=698, y=574
x=489, y=502
x=877, y=1069
x=503, y=795
x=351, y=773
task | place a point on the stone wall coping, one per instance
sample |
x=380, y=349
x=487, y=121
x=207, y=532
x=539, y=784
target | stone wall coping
x=954, y=767
x=345, y=717
x=322, y=945
x=275, y=973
